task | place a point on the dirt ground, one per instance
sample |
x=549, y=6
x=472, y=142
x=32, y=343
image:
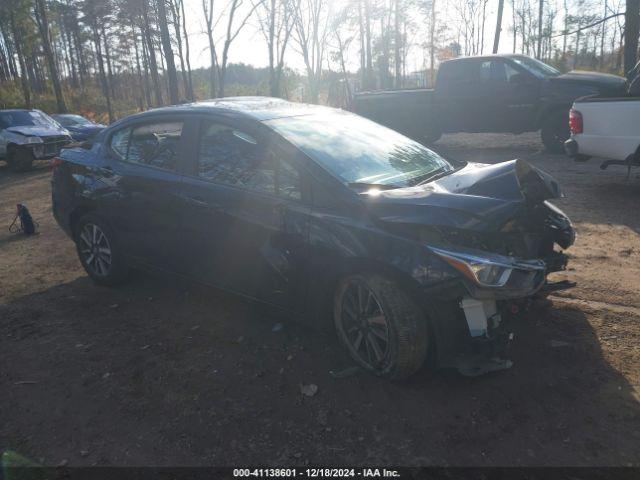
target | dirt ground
x=164, y=372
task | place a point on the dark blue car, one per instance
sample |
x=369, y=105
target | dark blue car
x=81, y=128
x=411, y=257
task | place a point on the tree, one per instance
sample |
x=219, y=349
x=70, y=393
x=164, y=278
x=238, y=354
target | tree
x=631, y=32
x=168, y=51
x=276, y=24
x=496, y=38
x=42, y=20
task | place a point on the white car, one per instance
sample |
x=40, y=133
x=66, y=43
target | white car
x=26, y=135
x=605, y=127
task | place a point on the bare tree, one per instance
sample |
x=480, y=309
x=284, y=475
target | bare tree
x=311, y=30
x=276, y=24
x=168, y=51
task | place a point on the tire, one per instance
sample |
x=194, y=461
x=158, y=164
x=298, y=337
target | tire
x=384, y=311
x=555, y=131
x=20, y=159
x=99, y=252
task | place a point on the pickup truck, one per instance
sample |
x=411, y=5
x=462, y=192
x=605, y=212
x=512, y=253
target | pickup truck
x=26, y=135
x=495, y=93
x=608, y=128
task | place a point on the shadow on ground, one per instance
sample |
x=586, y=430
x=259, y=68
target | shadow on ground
x=165, y=372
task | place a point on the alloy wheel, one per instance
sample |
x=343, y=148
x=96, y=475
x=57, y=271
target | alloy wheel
x=95, y=249
x=364, y=324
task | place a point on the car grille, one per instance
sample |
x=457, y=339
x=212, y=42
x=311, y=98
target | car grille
x=53, y=144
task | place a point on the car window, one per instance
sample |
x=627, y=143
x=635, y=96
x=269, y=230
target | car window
x=233, y=157
x=156, y=144
x=120, y=143
x=493, y=71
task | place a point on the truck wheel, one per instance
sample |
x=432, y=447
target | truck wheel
x=555, y=131
x=99, y=251
x=19, y=159
x=384, y=331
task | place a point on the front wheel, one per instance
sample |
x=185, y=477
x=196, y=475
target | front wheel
x=20, y=159
x=99, y=251
x=555, y=131
x=384, y=331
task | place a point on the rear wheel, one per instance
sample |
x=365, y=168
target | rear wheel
x=555, y=131
x=384, y=331
x=99, y=252
x=19, y=159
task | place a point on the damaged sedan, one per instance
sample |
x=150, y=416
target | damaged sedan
x=413, y=259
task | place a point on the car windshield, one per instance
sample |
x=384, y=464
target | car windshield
x=25, y=119
x=538, y=68
x=360, y=152
x=69, y=120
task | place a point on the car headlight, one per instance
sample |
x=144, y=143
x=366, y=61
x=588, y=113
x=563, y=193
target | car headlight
x=490, y=270
x=33, y=140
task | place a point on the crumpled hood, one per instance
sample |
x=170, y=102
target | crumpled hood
x=604, y=81
x=477, y=197
x=38, y=131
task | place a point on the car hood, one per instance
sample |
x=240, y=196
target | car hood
x=86, y=128
x=604, y=81
x=38, y=131
x=477, y=197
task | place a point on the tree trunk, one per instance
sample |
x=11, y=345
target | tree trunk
x=540, y=20
x=43, y=27
x=168, y=52
x=631, y=31
x=17, y=39
x=153, y=65
x=432, y=45
x=397, y=41
x=103, y=76
x=186, y=52
x=496, y=38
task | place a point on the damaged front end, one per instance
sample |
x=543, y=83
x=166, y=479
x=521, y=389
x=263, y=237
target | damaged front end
x=493, y=227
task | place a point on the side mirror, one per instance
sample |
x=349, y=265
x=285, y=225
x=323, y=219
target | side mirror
x=87, y=144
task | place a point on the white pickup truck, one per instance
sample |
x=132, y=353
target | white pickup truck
x=608, y=128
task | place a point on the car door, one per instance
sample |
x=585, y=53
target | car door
x=141, y=188
x=522, y=98
x=463, y=101
x=247, y=224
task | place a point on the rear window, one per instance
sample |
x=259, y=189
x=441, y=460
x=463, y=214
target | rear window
x=156, y=145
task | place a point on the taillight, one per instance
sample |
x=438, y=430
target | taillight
x=56, y=162
x=575, y=121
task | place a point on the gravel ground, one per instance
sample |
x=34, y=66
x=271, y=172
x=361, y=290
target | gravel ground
x=164, y=372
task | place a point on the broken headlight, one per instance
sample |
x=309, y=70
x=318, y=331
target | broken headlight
x=486, y=269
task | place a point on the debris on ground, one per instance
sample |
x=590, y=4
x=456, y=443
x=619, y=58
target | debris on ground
x=346, y=372
x=308, y=390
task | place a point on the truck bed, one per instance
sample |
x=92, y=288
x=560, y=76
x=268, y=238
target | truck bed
x=408, y=111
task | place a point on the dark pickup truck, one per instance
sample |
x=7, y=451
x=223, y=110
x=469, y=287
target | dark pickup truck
x=495, y=93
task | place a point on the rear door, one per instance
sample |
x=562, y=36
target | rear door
x=247, y=225
x=141, y=188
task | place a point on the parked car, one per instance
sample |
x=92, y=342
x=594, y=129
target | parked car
x=81, y=128
x=26, y=135
x=322, y=213
x=608, y=128
x=495, y=93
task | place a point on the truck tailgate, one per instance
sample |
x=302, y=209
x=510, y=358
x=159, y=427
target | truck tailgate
x=611, y=128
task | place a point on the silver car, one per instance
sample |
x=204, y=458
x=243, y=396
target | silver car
x=26, y=135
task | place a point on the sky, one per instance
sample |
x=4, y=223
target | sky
x=250, y=46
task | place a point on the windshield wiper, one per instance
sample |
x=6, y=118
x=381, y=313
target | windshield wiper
x=379, y=186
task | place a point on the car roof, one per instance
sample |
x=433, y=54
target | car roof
x=9, y=110
x=258, y=108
